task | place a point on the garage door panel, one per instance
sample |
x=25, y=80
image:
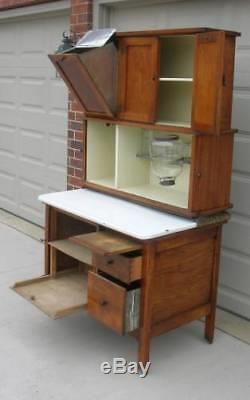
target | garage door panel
x=33, y=92
x=8, y=115
x=241, y=153
x=57, y=153
x=8, y=182
x=56, y=122
x=25, y=108
x=241, y=107
x=235, y=270
x=240, y=194
x=242, y=68
x=55, y=179
x=30, y=118
x=57, y=95
x=236, y=235
x=9, y=91
x=33, y=146
x=8, y=141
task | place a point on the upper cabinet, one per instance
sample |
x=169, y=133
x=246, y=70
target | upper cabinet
x=172, y=79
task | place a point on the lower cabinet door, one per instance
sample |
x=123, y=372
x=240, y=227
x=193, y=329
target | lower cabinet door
x=57, y=297
x=114, y=304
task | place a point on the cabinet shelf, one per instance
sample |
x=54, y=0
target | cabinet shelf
x=176, y=79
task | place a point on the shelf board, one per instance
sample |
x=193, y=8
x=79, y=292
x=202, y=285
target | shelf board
x=175, y=123
x=109, y=181
x=176, y=79
x=75, y=250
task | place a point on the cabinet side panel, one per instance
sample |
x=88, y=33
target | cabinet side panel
x=211, y=172
x=138, y=78
x=208, y=71
x=182, y=279
x=227, y=88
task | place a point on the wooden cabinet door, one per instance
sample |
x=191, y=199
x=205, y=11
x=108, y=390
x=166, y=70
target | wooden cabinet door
x=91, y=77
x=208, y=81
x=138, y=78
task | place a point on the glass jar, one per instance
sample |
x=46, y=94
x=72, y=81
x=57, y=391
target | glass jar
x=166, y=155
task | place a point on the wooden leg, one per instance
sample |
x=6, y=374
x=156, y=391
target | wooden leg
x=53, y=262
x=50, y=234
x=146, y=303
x=210, y=318
x=46, y=246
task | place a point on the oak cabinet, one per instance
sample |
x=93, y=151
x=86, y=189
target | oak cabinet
x=172, y=79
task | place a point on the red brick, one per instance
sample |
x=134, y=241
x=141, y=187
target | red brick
x=75, y=181
x=73, y=162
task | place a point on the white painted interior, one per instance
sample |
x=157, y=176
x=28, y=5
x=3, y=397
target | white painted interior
x=112, y=161
x=33, y=111
x=120, y=215
x=124, y=15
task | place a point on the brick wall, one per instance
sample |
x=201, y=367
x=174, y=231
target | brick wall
x=81, y=21
x=8, y=4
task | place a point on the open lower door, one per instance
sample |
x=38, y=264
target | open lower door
x=92, y=77
x=56, y=297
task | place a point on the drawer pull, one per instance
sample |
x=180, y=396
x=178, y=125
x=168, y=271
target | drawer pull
x=110, y=262
x=103, y=303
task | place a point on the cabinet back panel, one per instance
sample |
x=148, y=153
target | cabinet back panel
x=175, y=102
x=176, y=56
x=101, y=152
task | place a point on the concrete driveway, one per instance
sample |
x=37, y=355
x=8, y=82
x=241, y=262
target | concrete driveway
x=42, y=359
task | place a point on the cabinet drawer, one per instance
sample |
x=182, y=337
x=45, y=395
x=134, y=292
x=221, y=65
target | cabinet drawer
x=126, y=267
x=115, y=305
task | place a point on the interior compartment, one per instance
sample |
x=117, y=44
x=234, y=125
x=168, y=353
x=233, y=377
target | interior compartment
x=134, y=169
x=175, y=103
x=131, y=165
x=176, y=56
x=101, y=153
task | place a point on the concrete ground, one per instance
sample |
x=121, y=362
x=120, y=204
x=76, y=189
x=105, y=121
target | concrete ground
x=42, y=359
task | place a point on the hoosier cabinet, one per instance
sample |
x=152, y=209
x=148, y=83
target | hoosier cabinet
x=138, y=245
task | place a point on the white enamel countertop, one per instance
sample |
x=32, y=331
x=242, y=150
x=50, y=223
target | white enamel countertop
x=120, y=215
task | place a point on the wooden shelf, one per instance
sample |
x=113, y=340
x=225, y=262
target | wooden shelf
x=77, y=251
x=175, y=123
x=176, y=79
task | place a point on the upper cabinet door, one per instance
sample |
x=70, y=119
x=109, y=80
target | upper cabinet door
x=208, y=82
x=138, y=78
x=92, y=78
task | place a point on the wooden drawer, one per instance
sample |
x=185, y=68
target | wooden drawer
x=126, y=267
x=115, y=305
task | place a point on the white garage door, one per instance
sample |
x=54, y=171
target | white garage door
x=33, y=117
x=234, y=293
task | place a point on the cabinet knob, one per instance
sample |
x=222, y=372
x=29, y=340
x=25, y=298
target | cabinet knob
x=103, y=303
x=110, y=262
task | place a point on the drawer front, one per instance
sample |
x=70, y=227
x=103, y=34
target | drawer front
x=112, y=304
x=126, y=268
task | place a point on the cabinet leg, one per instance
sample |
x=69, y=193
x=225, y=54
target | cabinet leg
x=210, y=318
x=146, y=303
x=210, y=326
x=144, y=347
